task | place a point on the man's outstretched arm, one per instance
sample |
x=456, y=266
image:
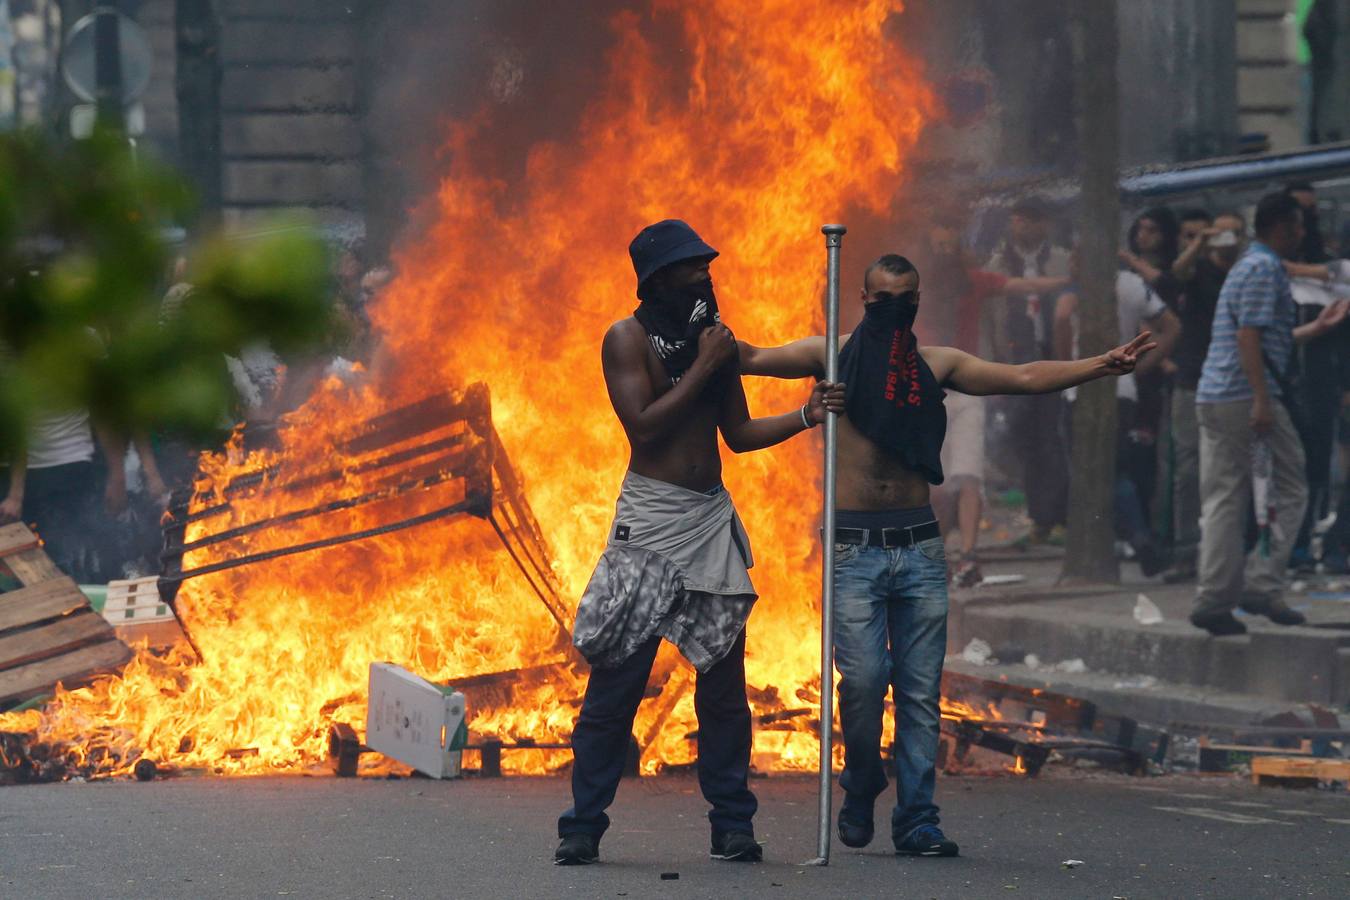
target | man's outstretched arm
x=800, y=359
x=972, y=375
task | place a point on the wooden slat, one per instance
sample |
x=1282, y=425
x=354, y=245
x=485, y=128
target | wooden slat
x=1300, y=767
x=47, y=600
x=70, y=669
x=18, y=648
x=32, y=566
x=15, y=537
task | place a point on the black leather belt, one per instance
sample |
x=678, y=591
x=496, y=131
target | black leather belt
x=888, y=538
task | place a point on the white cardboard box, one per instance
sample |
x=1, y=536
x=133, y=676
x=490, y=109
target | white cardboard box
x=414, y=721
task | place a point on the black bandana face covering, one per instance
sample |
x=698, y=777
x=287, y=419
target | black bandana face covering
x=674, y=318
x=893, y=312
x=892, y=396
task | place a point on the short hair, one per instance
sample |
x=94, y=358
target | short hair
x=891, y=264
x=1295, y=186
x=1274, y=209
x=1196, y=214
x=1166, y=220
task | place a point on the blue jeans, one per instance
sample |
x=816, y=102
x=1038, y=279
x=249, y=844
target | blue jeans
x=600, y=741
x=890, y=629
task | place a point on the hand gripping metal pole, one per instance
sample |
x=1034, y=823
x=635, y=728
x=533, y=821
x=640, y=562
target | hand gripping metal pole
x=834, y=238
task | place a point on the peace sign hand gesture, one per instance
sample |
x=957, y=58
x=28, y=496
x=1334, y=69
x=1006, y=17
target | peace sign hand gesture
x=1123, y=359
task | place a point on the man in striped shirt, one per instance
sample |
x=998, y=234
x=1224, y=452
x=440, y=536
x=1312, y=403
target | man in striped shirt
x=1240, y=400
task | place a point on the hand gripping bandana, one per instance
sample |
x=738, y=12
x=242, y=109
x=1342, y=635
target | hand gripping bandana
x=674, y=319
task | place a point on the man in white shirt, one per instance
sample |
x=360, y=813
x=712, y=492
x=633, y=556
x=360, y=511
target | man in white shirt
x=53, y=484
x=1138, y=308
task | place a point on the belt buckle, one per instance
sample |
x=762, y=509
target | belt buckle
x=854, y=535
x=904, y=538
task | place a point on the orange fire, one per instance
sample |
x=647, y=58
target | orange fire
x=792, y=113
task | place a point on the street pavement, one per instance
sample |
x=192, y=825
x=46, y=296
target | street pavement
x=323, y=837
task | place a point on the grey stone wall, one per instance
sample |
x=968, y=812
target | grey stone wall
x=290, y=130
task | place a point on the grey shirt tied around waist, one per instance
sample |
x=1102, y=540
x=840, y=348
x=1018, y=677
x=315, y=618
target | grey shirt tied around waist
x=676, y=565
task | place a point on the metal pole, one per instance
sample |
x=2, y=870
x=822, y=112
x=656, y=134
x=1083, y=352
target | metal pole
x=108, y=67
x=834, y=238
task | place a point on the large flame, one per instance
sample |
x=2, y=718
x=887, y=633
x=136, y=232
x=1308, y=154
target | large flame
x=789, y=113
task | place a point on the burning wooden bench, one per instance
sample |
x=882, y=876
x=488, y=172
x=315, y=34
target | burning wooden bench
x=443, y=440
x=446, y=444
x=49, y=633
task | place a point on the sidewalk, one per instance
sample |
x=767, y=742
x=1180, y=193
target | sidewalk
x=1085, y=641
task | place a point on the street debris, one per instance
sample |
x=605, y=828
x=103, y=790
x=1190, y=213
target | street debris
x=1146, y=612
x=1293, y=771
x=997, y=580
x=48, y=631
x=1035, y=726
x=978, y=652
x=1309, y=733
x=1138, y=682
x=1073, y=666
x=416, y=722
x=1071, y=863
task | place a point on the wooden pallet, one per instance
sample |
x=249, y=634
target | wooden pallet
x=48, y=631
x=1284, y=769
x=1227, y=757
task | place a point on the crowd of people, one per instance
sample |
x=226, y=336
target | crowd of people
x=96, y=495
x=1184, y=476
x=1247, y=312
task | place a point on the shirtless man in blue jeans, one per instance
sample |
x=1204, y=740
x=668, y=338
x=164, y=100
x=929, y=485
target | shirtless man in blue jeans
x=890, y=565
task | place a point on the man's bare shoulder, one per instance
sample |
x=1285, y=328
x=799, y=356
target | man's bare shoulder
x=941, y=360
x=625, y=342
x=626, y=333
x=627, y=328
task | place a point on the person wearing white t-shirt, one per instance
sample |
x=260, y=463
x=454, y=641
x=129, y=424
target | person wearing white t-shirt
x=1138, y=308
x=53, y=484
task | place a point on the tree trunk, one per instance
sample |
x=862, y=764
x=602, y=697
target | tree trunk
x=1090, y=553
x=197, y=30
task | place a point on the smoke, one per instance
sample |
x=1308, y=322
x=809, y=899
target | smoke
x=532, y=67
x=528, y=70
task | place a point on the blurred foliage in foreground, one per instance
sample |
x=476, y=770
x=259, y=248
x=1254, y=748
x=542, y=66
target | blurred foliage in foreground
x=83, y=268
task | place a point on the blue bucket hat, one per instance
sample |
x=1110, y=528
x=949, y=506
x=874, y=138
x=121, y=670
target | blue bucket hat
x=668, y=241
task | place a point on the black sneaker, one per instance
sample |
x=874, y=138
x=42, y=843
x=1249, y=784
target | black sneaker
x=926, y=840
x=736, y=846
x=1220, y=623
x=577, y=850
x=1273, y=609
x=855, y=826
x=1283, y=615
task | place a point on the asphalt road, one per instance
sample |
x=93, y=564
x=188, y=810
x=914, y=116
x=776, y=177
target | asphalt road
x=328, y=838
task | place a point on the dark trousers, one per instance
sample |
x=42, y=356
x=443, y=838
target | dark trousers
x=1040, y=435
x=600, y=741
x=1318, y=434
x=62, y=502
x=1134, y=477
